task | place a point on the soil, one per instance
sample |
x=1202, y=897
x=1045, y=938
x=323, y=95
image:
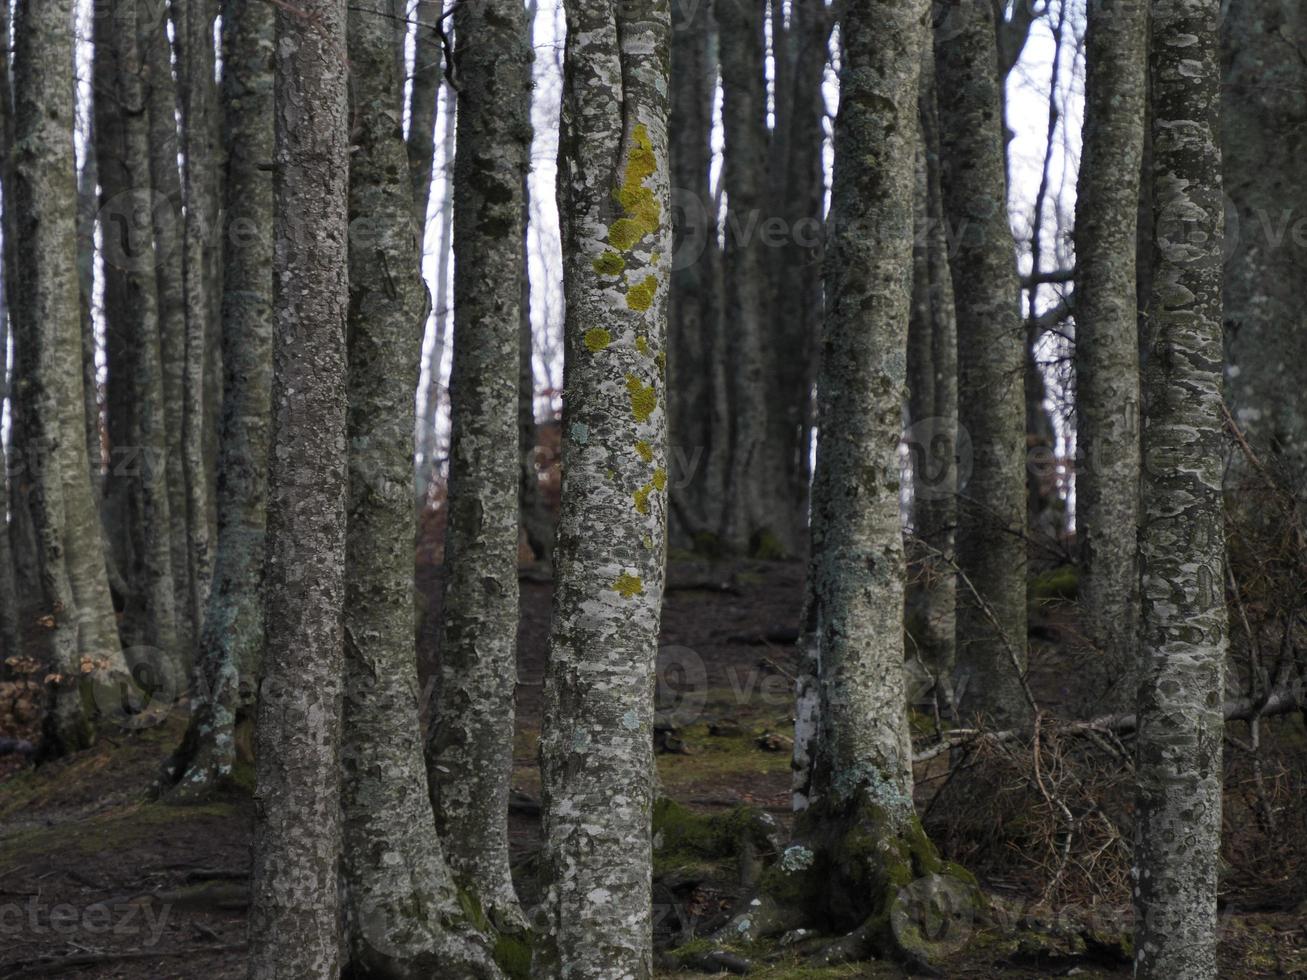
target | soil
x=96, y=881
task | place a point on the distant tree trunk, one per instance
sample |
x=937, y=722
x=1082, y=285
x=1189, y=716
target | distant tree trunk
x=202, y=155
x=470, y=754
x=427, y=79
x=597, y=736
x=231, y=639
x=1182, y=539
x=51, y=424
x=1107, y=350
x=170, y=279
x=400, y=893
x=151, y=573
x=1264, y=138
x=88, y=208
x=426, y=429
x=294, y=910
x=991, y=632
x=758, y=517
x=698, y=412
x=537, y=521
x=933, y=409
x=10, y=636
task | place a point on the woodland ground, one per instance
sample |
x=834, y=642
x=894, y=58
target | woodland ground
x=97, y=881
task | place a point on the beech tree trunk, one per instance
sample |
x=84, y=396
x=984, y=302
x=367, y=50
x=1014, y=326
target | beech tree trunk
x=471, y=747
x=231, y=638
x=597, y=735
x=294, y=909
x=9, y=607
x=400, y=895
x=51, y=426
x=1264, y=137
x=991, y=548
x=1182, y=541
x=1107, y=351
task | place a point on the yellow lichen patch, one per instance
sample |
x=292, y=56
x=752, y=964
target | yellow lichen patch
x=637, y=200
x=609, y=264
x=661, y=360
x=643, y=399
x=641, y=296
x=642, y=498
x=597, y=339
x=642, y=345
x=645, y=451
x=659, y=478
x=628, y=586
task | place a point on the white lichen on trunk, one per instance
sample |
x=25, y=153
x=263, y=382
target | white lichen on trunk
x=597, y=739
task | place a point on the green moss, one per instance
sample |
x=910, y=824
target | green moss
x=641, y=297
x=609, y=264
x=513, y=956
x=643, y=399
x=641, y=497
x=637, y=200
x=1060, y=583
x=659, y=481
x=597, y=339
x=641, y=344
x=644, y=450
x=766, y=546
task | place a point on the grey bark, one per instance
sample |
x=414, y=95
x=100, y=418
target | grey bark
x=1107, y=351
x=1182, y=541
x=699, y=415
x=152, y=572
x=294, y=924
x=471, y=748
x=202, y=156
x=170, y=282
x=75, y=592
x=991, y=363
x=9, y=607
x=231, y=638
x=758, y=517
x=933, y=404
x=400, y=893
x=597, y=737
x=1262, y=130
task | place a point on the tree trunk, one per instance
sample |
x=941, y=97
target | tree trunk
x=10, y=637
x=400, y=893
x=231, y=638
x=1182, y=540
x=933, y=411
x=597, y=736
x=698, y=412
x=1107, y=351
x=294, y=921
x=991, y=633
x=1263, y=120
x=202, y=155
x=537, y=521
x=427, y=79
x=170, y=280
x=88, y=208
x=52, y=431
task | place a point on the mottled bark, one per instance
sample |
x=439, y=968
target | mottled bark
x=697, y=405
x=400, y=892
x=294, y=910
x=202, y=152
x=9, y=607
x=1107, y=351
x=991, y=631
x=51, y=423
x=1182, y=541
x=1264, y=137
x=597, y=736
x=166, y=212
x=231, y=638
x=471, y=749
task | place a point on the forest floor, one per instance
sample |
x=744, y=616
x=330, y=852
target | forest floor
x=98, y=881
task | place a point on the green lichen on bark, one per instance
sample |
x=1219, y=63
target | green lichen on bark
x=1182, y=544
